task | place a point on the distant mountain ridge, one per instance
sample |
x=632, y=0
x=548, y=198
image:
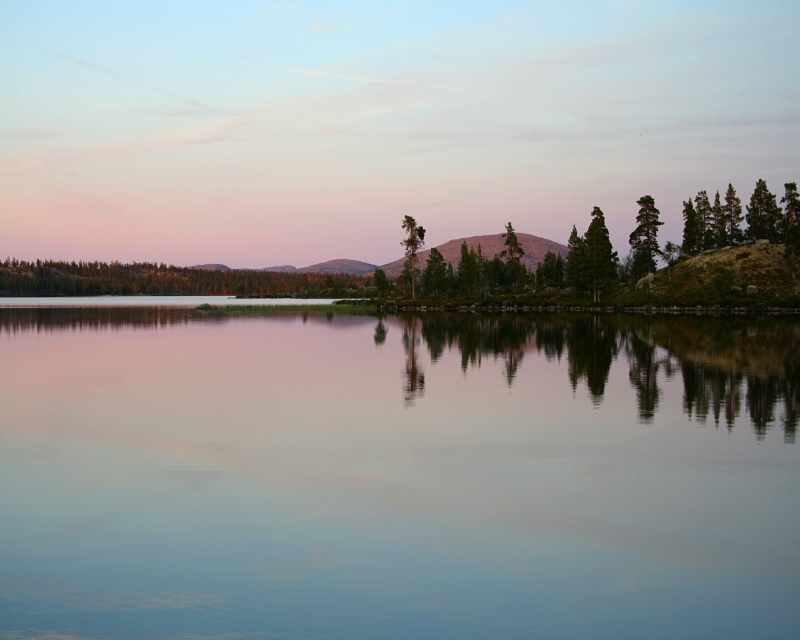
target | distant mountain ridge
x=340, y=265
x=535, y=249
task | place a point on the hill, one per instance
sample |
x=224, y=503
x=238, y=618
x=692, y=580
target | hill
x=342, y=265
x=284, y=268
x=211, y=267
x=753, y=275
x=534, y=246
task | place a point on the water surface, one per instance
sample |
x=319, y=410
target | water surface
x=151, y=301
x=170, y=475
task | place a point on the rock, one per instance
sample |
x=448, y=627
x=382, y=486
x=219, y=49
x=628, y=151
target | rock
x=762, y=243
x=752, y=289
x=646, y=281
x=736, y=289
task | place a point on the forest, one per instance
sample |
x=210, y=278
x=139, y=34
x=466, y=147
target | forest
x=592, y=266
x=51, y=278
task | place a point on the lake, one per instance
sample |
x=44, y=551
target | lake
x=170, y=474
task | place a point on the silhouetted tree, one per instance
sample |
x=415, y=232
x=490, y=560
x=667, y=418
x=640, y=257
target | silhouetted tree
x=692, y=230
x=764, y=217
x=415, y=240
x=720, y=234
x=644, y=239
x=381, y=282
x=434, y=277
x=705, y=219
x=513, y=254
x=468, y=270
x=601, y=259
x=733, y=216
x=791, y=220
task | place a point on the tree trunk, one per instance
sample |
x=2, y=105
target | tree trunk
x=413, y=293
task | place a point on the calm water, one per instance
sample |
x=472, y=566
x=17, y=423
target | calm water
x=151, y=301
x=168, y=475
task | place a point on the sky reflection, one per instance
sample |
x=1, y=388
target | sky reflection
x=269, y=474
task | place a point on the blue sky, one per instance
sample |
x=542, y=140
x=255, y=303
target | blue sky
x=269, y=133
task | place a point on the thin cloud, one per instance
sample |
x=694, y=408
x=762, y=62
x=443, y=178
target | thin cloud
x=341, y=76
x=192, y=102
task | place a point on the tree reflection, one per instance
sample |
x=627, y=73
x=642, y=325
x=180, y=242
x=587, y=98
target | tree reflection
x=730, y=366
x=591, y=348
x=643, y=372
x=479, y=336
x=380, y=332
x=413, y=375
x=727, y=364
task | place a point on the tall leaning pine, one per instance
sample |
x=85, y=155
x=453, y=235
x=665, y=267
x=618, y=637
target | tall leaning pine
x=415, y=240
x=644, y=239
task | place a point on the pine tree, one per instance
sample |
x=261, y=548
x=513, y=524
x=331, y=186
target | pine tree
x=733, y=216
x=574, y=260
x=468, y=273
x=764, y=216
x=644, y=238
x=406, y=280
x=434, y=277
x=415, y=240
x=791, y=220
x=513, y=255
x=381, y=282
x=513, y=251
x=705, y=221
x=558, y=275
x=481, y=267
x=601, y=258
x=540, y=276
x=720, y=223
x=691, y=230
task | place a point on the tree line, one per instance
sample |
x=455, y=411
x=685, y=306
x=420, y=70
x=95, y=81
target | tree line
x=591, y=265
x=46, y=278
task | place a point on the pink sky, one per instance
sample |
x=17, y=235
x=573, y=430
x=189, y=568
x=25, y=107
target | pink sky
x=261, y=134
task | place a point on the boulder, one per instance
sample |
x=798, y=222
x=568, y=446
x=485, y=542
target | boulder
x=752, y=289
x=646, y=281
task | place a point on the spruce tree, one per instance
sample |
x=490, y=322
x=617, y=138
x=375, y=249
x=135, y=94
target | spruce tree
x=601, y=258
x=791, y=220
x=705, y=221
x=691, y=230
x=733, y=216
x=434, y=278
x=720, y=223
x=764, y=216
x=381, y=282
x=574, y=260
x=468, y=273
x=644, y=238
x=558, y=276
x=540, y=276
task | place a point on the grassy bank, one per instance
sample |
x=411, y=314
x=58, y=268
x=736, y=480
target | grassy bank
x=263, y=309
